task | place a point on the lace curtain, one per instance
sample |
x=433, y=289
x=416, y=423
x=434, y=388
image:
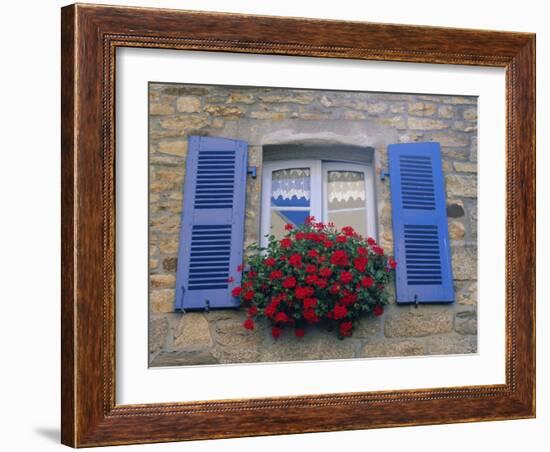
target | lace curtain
x=289, y=183
x=344, y=186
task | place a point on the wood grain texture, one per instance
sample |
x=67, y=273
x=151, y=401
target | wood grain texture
x=90, y=36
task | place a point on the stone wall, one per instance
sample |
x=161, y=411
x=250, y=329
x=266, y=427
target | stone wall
x=263, y=116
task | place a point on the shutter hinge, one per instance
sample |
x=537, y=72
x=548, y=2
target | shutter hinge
x=416, y=302
x=384, y=174
x=252, y=170
x=207, y=306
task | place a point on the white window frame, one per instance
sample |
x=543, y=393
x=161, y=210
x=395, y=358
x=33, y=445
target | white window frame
x=318, y=197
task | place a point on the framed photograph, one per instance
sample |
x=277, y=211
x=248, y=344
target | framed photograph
x=281, y=225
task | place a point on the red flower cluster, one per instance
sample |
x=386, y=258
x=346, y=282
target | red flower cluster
x=315, y=274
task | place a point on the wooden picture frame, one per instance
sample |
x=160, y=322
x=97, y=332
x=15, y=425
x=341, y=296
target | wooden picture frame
x=90, y=36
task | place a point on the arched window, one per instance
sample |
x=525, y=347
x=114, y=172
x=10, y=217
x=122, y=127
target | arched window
x=341, y=192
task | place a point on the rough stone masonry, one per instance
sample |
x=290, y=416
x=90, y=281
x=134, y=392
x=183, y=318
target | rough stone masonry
x=265, y=116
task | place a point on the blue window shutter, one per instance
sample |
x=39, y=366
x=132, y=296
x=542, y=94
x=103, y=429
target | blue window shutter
x=212, y=223
x=419, y=218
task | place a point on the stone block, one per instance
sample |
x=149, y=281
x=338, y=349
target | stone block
x=456, y=230
x=169, y=244
x=452, y=345
x=158, y=330
x=173, y=147
x=466, y=322
x=416, y=123
x=388, y=348
x=162, y=301
x=227, y=111
x=188, y=104
x=470, y=114
x=446, y=111
x=168, y=224
x=317, y=344
x=410, y=324
x=161, y=109
x=295, y=98
x=183, y=358
x=465, y=167
x=193, y=331
x=451, y=139
x=368, y=326
x=184, y=123
x=461, y=186
x=241, y=98
x=170, y=264
x=466, y=293
x=422, y=109
x=464, y=262
x=162, y=281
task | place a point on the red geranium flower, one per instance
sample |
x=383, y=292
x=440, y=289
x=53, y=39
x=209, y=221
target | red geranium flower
x=303, y=292
x=360, y=263
x=361, y=251
x=367, y=281
x=311, y=279
x=249, y=295
x=240, y=267
x=378, y=250
x=348, y=299
x=286, y=243
x=289, y=282
x=281, y=317
x=335, y=288
x=371, y=241
x=275, y=332
x=378, y=310
x=271, y=308
x=236, y=291
x=392, y=263
x=310, y=303
x=270, y=261
x=299, y=332
x=339, y=312
x=252, y=311
x=230, y=279
x=295, y=260
x=340, y=258
x=309, y=220
x=310, y=268
x=328, y=244
x=276, y=274
x=310, y=316
x=348, y=230
x=321, y=283
x=300, y=235
x=288, y=227
x=313, y=253
x=325, y=272
x=345, y=328
x=341, y=239
x=249, y=324
x=346, y=277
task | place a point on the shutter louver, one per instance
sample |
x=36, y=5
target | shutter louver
x=212, y=226
x=420, y=232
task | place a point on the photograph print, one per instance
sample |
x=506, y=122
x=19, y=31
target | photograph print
x=300, y=225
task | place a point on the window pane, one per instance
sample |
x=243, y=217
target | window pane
x=290, y=198
x=346, y=190
x=291, y=187
x=279, y=218
x=346, y=195
x=356, y=218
